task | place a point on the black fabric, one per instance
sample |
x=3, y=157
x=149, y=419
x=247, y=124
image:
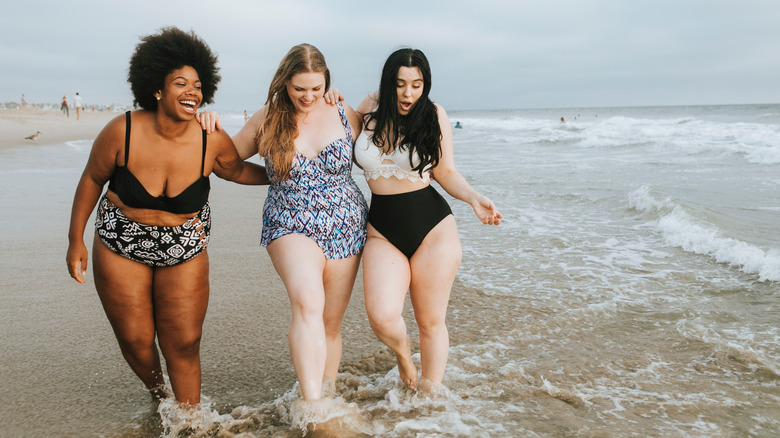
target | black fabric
x=405, y=219
x=134, y=194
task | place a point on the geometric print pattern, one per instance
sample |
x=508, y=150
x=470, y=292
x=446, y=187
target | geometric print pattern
x=152, y=245
x=319, y=200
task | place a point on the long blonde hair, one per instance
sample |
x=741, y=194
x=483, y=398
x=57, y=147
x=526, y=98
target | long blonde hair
x=276, y=137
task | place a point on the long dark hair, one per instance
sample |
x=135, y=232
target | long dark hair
x=419, y=131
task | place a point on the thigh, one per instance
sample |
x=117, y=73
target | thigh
x=181, y=297
x=300, y=263
x=433, y=267
x=338, y=280
x=125, y=290
x=386, y=275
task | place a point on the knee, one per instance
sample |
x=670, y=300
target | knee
x=431, y=325
x=308, y=309
x=332, y=328
x=181, y=346
x=136, y=344
x=382, y=322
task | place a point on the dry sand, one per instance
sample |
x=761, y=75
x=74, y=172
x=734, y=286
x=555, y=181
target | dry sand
x=16, y=124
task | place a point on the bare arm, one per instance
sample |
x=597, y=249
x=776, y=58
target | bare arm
x=100, y=166
x=244, y=141
x=368, y=104
x=228, y=164
x=355, y=120
x=453, y=182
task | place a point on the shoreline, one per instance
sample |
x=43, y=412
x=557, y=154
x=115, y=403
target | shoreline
x=16, y=124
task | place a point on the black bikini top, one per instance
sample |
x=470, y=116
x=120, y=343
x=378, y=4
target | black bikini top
x=134, y=194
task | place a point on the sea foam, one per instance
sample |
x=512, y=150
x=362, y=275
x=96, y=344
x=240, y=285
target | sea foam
x=681, y=229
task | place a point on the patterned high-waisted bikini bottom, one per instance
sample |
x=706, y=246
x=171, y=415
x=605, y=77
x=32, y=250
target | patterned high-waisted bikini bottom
x=152, y=245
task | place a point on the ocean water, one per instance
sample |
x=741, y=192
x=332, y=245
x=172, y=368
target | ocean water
x=632, y=290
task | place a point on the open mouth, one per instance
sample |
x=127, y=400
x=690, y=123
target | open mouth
x=405, y=106
x=190, y=106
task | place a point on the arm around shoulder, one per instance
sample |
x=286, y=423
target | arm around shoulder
x=245, y=141
x=228, y=165
x=368, y=104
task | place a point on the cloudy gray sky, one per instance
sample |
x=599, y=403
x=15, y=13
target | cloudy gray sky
x=485, y=54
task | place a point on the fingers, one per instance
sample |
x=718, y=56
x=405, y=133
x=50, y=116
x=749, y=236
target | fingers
x=209, y=121
x=73, y=269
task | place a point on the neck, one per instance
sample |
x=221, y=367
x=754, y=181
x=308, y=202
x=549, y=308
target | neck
x=168, y=127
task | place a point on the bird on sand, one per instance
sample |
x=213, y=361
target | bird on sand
x=34, y=136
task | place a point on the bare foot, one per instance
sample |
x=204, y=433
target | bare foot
x=406, y=369
x=160, y=392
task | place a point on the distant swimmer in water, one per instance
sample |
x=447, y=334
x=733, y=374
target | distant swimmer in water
x=563, y=120
x=458, y=125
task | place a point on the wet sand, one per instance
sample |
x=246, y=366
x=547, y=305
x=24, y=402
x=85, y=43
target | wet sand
x=58, y=347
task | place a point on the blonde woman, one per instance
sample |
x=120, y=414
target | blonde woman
x=314, y=215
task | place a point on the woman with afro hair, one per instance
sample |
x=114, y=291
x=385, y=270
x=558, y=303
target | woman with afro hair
x=149, y=257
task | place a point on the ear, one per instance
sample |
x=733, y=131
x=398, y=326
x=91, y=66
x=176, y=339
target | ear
x=158, y=94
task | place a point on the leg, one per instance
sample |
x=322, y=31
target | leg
x=125, y=290
x=338, y=280
x=300, y=263
x=386, y=276
x=434, y=266
x=181, y=297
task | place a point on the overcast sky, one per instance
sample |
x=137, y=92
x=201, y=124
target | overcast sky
x=484, y=54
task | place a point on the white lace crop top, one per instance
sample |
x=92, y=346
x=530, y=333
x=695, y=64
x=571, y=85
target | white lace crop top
x=376, y=164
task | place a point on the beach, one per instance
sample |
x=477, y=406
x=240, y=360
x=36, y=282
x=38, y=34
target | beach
x=16, y=124
x=632, y=290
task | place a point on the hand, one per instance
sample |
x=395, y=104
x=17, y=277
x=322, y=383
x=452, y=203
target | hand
x=209, y=120
x=333, y=96
x=486, y=211
x=76, y=259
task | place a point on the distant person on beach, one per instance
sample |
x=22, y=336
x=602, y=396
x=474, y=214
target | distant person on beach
x=64, y=106
x=79, y=105
x=413, y=243
x=23, y=103
x=150, y=262
x=458, y=125
x=314, y=215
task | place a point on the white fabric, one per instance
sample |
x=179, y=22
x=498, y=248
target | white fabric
x=376, y=164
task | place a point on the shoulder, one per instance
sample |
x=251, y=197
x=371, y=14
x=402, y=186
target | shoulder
x=368, y=104
x=114, y=130
x=259, y=114
x=441, y=114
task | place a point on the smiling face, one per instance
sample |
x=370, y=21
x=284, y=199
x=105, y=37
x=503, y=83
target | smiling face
x=305, y=90
x=182, y=94
x=409, y=87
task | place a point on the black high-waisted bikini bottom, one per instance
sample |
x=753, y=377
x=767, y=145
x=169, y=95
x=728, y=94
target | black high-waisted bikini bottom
x=406, y=218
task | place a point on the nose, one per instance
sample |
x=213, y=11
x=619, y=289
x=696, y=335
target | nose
x=407, y=91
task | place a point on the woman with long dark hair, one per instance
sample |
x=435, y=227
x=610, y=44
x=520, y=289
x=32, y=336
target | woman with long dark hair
x=413, y=242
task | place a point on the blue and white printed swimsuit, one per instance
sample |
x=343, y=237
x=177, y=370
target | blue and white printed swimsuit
x=320, y=200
